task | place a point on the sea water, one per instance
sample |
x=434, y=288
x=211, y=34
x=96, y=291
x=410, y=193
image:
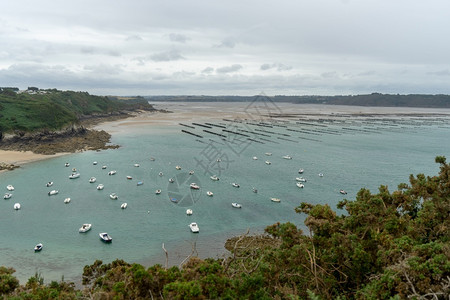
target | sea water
x=350, y=152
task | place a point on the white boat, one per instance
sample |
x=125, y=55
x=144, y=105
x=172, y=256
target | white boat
x=255, y=158
x=67, y=200
x=158, y=191
x=178, y=167
x=255, y=190
x=139, y=183
x=194, y=186
x=48, y=184
x=219, y=159
x=123, y=205
x=112, y=172
x=74, y=175
x=268, y=162
x=152, y=159
x=301, y=179
x=92, y=179
x=161, y=174
x=268, y=153
x=103, y=167
x=214, y=177
x=287, y=157
x=194, y=227
x=16, y=206
x=94, y=163
x=129, y=177
x=343, y=192
x=100, y=187
x=105, y=237
x=10, y=187
x=320, y=174
x=236, y=185
x=7, y=196
x=275, y=199
x=171, y=180
x=300, y=185
x=53, y=192
x=191, y=172
x=74, y=169
x=209, y=193
x=300, y=171
x=189, y=212
x=67, y=164
x=38, y=247
x=174, y=200
x=113, y=196
x=236, y=205
x=137, y=165
x=85, y=228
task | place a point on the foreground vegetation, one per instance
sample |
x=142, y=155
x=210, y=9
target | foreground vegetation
x=385, y=246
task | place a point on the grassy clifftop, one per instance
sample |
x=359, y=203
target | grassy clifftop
x=53, y=109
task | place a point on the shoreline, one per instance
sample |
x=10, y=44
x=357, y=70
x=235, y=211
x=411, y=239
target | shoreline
x=198, y=111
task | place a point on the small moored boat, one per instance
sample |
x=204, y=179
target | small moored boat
x=161, y=174
x=112, y=172
x=255, y=158
x=139, y=183
x=194, y=227
x=38, y=247
x=85, y=227
x=268, y=153
x=320, y=174
x=67, y=164
x=287, y=157
x=300, y=179
x=178, y=167
x=137, y=165
x=236, y=205
x=214, y=177
x=191, y=172
x=189, y=212
x=343, y=192
x=300, y=185
x=300, y=171
x=7, y=196
x=100, y=187
x=74, y=175
x=10, y=187
x=268, y=162
x=174, y=200
x=275, y=199
x=16, y=206
x=158, y=191
x=254, y=190
x=123, y=205
x=105, y=237
x=67, y=200
x=209, y=193
x=236, y=185
x=53, y=192
x=113, y=196
x=92, y=179
x=194, y=186
x=171, y=180
x=103, y=167
x=48, y=184
x=129, y=177
x=94, y=163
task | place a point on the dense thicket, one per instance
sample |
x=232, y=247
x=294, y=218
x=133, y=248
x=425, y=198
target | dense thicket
x=386, y=245
x=53, y=109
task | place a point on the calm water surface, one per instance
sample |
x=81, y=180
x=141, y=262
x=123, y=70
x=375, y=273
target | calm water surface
x=351, y=152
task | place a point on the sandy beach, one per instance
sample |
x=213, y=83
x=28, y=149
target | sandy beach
x=216, y=111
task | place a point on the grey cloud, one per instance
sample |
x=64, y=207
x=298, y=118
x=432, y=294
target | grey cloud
x=180, y=38
x=229, y=69
x=227, y=43
x=134, y=38
x=278, y=66
x=440, y=73
x=207, y=70
x=170, y=55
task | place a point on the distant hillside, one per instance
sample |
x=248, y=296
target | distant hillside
x=374, y=99
x=36, y=109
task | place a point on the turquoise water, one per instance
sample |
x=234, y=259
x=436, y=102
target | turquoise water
x=351, y=154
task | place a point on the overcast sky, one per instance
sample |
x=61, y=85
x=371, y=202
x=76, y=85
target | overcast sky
x=175, y=47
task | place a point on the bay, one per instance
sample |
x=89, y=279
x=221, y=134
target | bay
x=352, y=151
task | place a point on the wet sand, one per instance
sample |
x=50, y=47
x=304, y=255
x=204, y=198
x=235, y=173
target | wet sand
x=217, y=111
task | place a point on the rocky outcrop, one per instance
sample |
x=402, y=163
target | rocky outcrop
x=5, y=166
x=72, y=139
